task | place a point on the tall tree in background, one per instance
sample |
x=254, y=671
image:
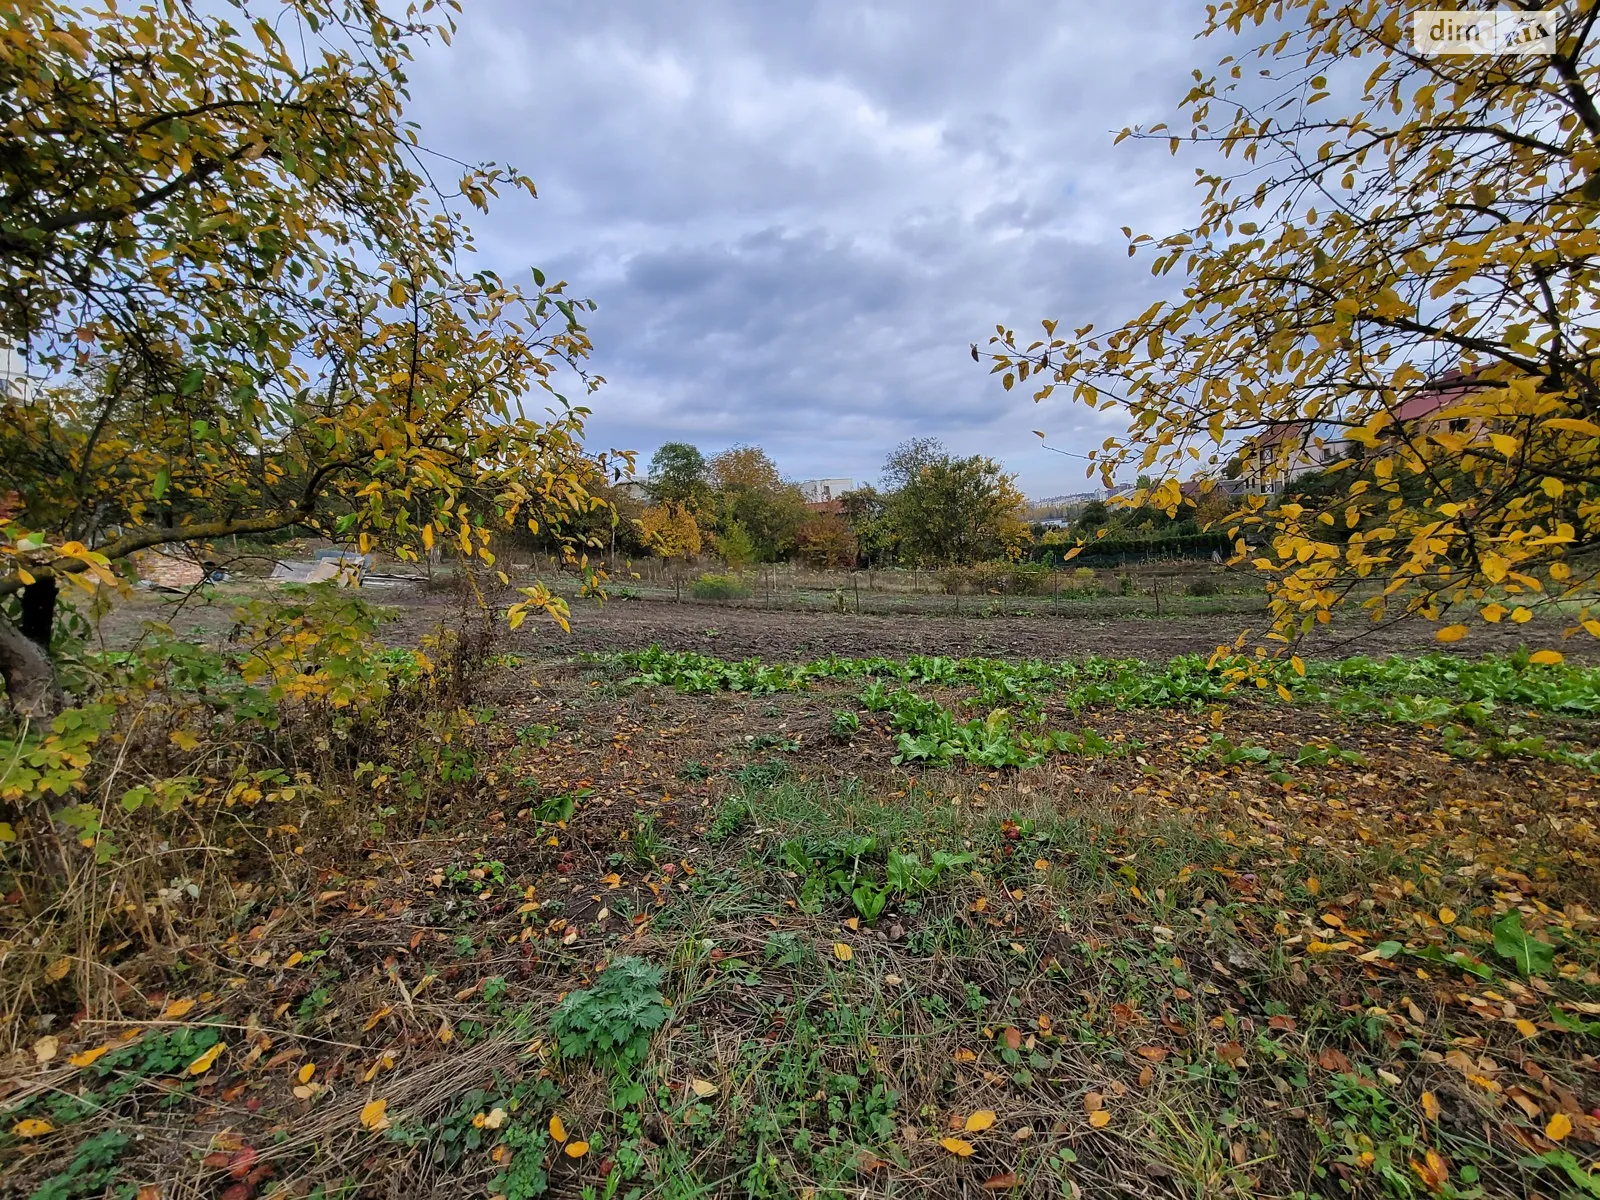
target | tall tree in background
x=247, y=302
x=1442, y=217
x=949, y=510
x=679, y=475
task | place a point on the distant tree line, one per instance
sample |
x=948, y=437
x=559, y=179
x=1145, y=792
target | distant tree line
x=932, y=508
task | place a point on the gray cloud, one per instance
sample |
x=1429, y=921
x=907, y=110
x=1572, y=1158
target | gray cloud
x=795, y=218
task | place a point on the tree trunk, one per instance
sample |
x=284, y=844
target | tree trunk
x=29, y=678
x=39, y=612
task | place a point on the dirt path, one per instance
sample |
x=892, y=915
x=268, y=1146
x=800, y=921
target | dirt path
x=774, y=635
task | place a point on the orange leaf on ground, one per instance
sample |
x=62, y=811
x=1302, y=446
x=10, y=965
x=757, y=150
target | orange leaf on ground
x=957, y=1147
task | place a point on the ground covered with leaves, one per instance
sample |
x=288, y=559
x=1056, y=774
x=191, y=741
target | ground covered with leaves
x=660, y=924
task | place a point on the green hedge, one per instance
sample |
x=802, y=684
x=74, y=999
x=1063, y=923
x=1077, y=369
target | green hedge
x=1114, y=550
x=721, y=587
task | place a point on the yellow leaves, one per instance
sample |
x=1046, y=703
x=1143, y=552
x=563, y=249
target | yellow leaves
x=1521, y=615
x=979, y=1121
x=305, y=1073
x=183, y=739
x=575, y=1149
x=375, y=1115
x=1430, y=1106
x=1547, y=658
x=558, y=1131
x=176, y=1010
x=1558, y=1127
x=1573, y=425
x=960, y=1147
x=1493, y=612
x=32, y=1127
x=203, y=1064
x=1526, y=1027
x=1447, y=916
x=1100, y=1118
x=57, y=970
x=1451, y=633
x=703, y=1088
x=843, y=952
x=1505, y=445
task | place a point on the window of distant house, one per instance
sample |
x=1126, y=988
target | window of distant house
x=827, y=492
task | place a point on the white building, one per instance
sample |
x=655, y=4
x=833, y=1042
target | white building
x=820, y=491
x=13, y=373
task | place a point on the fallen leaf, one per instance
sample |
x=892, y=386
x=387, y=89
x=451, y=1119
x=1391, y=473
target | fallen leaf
x=575, y=1149
x=892, y=980
x=1330, y=1059
x=57, y=970
x=983, y=1119
x=373, y=1020
x=305, y=1073
x=32, y=1127
x=1447, y=916
x=1013, y=1037
x=495, y=1119
x=176, y=1009
x=148, y=1192
x=1155, y=1054
x=1093, y=1101
x=1560, y=1125
x=375, y=1115
x=703, y=1088
x=957, y=1147
x=46, y=1048
x=1001, y=1183
x=966, y=1056
x=1101, y=1118
x=500, y=1155
x=1526, y=1027
x=843, y=952
x=87, y=1057
x=1430, y=1106
x=558, y=1131
x=203, y=1064
x=1432, y=1170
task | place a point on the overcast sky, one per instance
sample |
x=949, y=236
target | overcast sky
x=795, y=218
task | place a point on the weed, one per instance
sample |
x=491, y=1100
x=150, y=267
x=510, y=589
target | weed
x=611, y=1021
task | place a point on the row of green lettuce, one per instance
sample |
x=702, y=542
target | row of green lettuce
x=1459, y=695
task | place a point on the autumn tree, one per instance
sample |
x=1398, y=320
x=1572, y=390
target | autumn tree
x=1397, y=264
x=248, y=304
x=669, y=530
x=742, y=469
x=826, y=541
x=948, y=509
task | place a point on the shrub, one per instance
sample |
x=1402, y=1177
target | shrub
x=721, y=587
x=1203, y=587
